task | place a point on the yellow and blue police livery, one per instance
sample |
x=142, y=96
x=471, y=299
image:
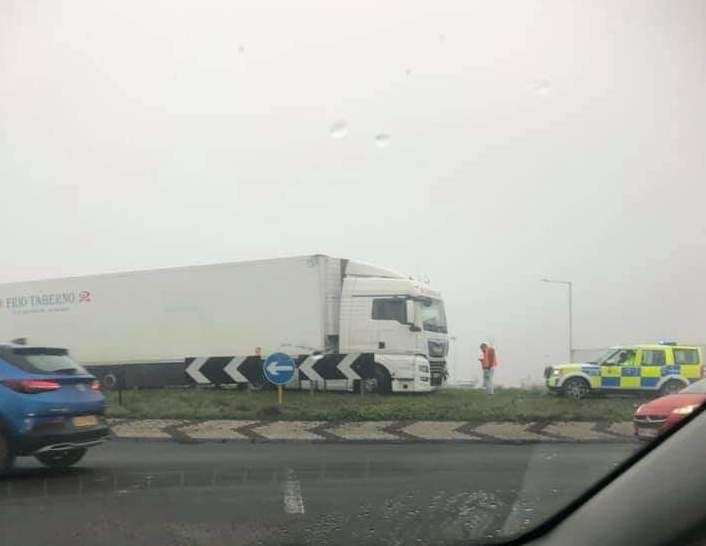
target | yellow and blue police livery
x=663, y=367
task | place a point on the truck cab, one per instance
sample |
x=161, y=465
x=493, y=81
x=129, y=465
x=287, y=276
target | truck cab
x=401, y=321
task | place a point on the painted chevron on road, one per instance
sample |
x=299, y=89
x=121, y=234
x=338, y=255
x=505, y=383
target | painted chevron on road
x=371, y=431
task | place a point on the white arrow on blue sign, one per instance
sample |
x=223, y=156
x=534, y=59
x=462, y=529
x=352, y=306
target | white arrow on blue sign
x=279, y=368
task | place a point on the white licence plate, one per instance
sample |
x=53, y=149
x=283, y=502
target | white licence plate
x=85, y=421
x=647, y=432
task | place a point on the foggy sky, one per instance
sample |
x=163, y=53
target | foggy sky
x=525, y=140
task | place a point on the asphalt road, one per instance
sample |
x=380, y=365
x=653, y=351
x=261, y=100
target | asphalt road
x=165, y=493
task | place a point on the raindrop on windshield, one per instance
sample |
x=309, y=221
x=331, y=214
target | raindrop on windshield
x=382, y=140
x=339, y=129
x=542, y=87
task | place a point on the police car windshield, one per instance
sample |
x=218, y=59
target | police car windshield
x=608, y=356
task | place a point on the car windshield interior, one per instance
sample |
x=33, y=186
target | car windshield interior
x=318, y=272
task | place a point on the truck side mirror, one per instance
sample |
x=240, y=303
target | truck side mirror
x=414, y=328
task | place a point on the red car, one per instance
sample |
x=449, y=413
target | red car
x=656, y=416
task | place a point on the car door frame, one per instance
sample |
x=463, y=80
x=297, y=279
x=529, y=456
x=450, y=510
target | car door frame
x=651, y=376
x=613, y=372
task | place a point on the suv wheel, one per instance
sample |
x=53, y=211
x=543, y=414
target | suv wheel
x=576, y=388
x=61, y=459
x=7, y=458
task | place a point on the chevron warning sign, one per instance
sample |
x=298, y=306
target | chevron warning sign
x=338, y=371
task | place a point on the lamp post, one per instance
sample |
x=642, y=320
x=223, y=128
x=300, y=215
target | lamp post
x=571, y=318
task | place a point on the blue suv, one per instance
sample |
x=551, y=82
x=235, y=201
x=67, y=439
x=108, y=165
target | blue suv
x=50, y=407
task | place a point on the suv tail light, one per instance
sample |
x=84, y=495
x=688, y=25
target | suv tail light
x=31, y=386
x=95, y=385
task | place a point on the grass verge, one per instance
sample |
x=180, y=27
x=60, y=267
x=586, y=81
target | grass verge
x=447, y=405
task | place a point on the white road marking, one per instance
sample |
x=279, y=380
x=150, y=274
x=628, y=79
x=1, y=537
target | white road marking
x=293, y=501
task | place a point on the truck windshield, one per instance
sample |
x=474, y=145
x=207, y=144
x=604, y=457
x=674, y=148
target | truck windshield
x=432, y=315
x=42, y=360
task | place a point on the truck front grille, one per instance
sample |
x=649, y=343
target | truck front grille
x=438, y=372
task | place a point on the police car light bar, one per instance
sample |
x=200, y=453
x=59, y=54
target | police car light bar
x=668, y=343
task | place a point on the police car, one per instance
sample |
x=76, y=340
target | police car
x=665, y=368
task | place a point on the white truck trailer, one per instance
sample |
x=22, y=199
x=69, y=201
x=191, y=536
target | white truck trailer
x=347, y=324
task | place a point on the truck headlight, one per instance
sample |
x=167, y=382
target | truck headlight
x=556, y=372
x=424, y=368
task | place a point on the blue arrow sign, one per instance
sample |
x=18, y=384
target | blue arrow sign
x=279, y=368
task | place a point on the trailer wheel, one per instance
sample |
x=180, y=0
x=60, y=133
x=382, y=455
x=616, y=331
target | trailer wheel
x=109, y=381
x=383, y=382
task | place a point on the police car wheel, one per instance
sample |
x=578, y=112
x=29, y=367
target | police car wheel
x=671, y=387
x=576, y=388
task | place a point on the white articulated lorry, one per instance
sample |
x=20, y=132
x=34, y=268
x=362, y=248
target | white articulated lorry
x=347, y=324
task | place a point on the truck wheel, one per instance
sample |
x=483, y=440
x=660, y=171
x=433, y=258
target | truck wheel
x=61, y=459
x=671, y=387
x=383, y=382
x=576, y=388
x=7, y=458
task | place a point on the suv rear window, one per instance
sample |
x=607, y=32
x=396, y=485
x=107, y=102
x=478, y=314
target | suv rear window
x=42, y=360
x=686, y=356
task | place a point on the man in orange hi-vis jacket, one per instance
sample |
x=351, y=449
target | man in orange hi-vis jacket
x=488, y=362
